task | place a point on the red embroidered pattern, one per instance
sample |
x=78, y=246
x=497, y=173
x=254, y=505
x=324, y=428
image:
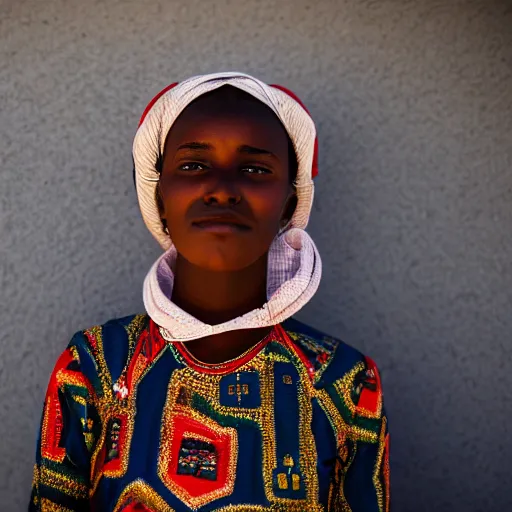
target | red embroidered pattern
x=370, y=399
x=186, y=424
x=52, y=421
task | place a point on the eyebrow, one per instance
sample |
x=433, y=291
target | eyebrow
x=196, y=145
x=249, y=150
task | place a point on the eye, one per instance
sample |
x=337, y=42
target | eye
x=256, y=170
x=192, y=166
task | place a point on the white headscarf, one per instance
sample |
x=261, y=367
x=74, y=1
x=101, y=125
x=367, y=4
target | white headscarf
x=294, y=265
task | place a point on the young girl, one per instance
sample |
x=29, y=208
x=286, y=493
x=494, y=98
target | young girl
x=216, y=399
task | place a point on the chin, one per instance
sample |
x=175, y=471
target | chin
x=222, y=253
x=221, y=257
x=216, y=262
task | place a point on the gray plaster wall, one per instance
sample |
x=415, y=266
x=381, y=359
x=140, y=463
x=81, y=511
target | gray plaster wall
x=413, y=215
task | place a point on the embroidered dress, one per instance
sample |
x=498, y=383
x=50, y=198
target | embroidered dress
x=133, y=422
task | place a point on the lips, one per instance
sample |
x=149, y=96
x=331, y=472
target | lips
x=220, y=224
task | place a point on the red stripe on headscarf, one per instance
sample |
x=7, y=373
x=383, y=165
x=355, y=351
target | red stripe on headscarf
x=154, y=100
x=314, y=168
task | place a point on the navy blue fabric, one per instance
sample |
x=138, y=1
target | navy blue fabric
x=115, y=347
x=326, y=450
x=286, y=424
x=244, y=397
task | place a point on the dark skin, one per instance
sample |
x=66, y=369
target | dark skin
x=225, y=191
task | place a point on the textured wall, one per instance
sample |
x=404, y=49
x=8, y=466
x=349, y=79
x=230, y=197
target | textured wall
x=413, y=216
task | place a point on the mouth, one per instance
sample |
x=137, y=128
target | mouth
x=220, y=225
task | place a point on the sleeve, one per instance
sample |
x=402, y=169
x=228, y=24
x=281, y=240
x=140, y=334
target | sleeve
x=362, y=467
x=69, y=428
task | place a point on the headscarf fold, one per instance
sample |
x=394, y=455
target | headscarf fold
x=294, y=271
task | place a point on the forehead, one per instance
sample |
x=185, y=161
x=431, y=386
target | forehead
x=229, y=110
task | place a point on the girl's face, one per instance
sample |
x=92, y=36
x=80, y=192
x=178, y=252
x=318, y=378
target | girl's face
x=225, y=186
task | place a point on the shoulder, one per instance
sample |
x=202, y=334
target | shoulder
x=340, y=369
x=104, y=350
x=111, y=340
x=330, y=357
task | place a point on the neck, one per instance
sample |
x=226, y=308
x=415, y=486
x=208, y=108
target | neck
x=217, y=297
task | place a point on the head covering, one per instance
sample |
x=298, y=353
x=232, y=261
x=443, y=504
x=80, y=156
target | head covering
x=164, y=109
x=294, y=265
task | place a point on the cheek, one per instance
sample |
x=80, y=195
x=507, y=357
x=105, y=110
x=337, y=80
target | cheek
x=268, y=204
x=176, y=198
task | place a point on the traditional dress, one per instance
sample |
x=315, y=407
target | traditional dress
x=132, y=421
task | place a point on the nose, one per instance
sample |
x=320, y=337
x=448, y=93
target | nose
x=223, y=191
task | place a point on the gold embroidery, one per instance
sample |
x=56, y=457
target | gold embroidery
x=74, y=352
x=238, y=393
x=242, y=389
x=344, y=388
x=287, y=379
x=208, y=387
x=134, y=329
x=63, y=483
x=144, y=493
x=79, y=399
x=378, y=466
x=341, y=431
x=278, y=358
x=96, y=342
x=139, y=368
x=307, y=447
x=50, y=506
x=108, y=411
x=386, y=473
x=48, y=451
x=341, y=500
x=71, y=378
x=193, y=435
x=246, y=508
x=288, y=461
x=339, y=426
x=282, y=481
x=297, y=506
x=35, y=476
x=295, y=482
